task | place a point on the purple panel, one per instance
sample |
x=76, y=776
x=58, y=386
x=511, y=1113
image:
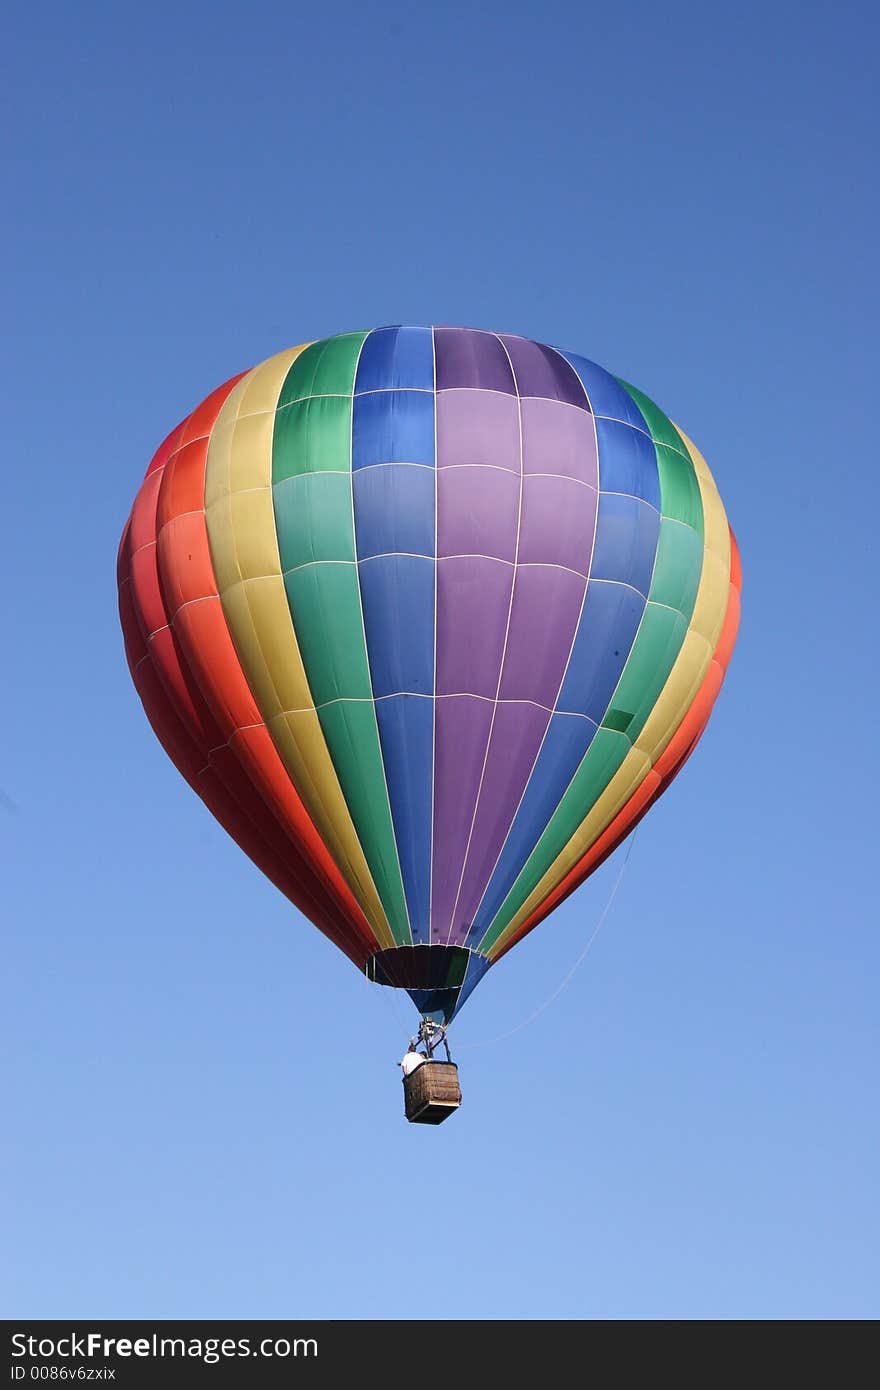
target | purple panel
x=558, y=522
x=516, y=739
x=461, y=732
x=557, y=439
x=473, y=600
x=479, y=427
x=546, y=607
x=478, y=516
x=540, y=371
x=466, y=357
x=477, y=509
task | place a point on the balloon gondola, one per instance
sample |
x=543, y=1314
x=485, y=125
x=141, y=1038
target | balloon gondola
x=428, y=618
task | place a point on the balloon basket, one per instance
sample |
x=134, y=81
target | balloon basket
x=431, y=1093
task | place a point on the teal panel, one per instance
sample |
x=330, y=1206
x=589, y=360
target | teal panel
x=313, y=518
x=678, y=566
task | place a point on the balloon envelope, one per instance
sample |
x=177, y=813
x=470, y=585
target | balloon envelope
x=428, y=618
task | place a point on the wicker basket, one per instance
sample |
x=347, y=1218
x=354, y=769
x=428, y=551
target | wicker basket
x=431, y=1093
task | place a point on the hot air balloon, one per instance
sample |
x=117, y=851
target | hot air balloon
x=428, y=618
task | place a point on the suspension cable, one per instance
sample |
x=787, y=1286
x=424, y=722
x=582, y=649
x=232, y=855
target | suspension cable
x=502, y=1037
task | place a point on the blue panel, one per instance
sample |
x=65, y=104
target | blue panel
x=443, y=1004
x=607, y=630
x=396, y=357
x=393, y=427
x=394, y=510
x=477, y=967
x=397, y=592
x=406, y=730
x=626, y=541
x=566, y=743
x=437, y=1004
x=627, y=462
x=606, y=395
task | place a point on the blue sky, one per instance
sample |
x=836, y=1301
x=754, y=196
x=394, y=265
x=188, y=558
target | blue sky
x=203, y=1113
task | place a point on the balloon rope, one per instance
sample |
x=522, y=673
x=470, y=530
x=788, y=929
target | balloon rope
x=489, y=1042
x=389, y=996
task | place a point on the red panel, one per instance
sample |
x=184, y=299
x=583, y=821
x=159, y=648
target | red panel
x=166, y=448
x=183, y=721
x=142, y=530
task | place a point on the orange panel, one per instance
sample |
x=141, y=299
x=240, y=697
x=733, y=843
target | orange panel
x=201, y=628
x=182, y=490
x=143, y=513
x=184, y=561
x=187, y=578
x=200, y=423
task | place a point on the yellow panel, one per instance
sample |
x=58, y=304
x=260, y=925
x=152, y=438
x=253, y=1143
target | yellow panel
x=256, y=548
x=706, y=621
x=672, y=704
x=241, y=528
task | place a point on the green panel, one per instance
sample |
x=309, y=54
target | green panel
x=679, y=488
x=312, y=496
x=662, y=429
x=678, y=566
x=313, y=518
x=600, y=762
x=659, y=641
x=351, y=734
x=326, y=368
x=312, y=436
x=325, y=603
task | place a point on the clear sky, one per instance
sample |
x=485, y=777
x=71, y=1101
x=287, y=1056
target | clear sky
x=203, y=1112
